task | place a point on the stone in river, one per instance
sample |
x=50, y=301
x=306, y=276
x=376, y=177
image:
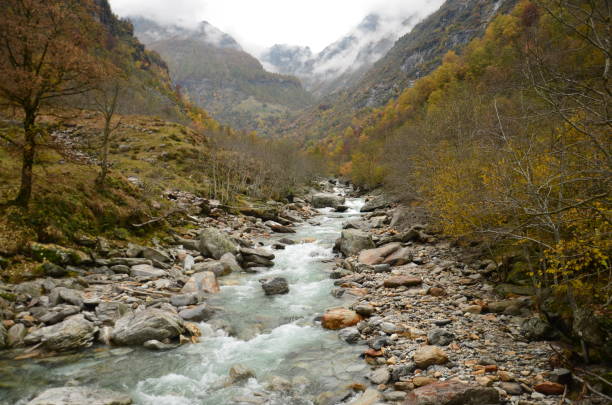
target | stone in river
x=275, y=286
x=80, y=396
x=149, y=324
x=73, y=333
x=205, y=281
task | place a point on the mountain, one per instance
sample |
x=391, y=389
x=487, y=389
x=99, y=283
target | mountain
x=343, y=62
x=213, y=70
x=414, y=55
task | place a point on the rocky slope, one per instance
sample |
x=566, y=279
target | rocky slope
x=219, y=76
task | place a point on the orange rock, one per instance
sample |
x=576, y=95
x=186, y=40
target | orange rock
x=339, y=318
x=373, y=353
x=491, y=368
x=550, y=388
x=376, y=256
x=436, y=292
x=399, y=281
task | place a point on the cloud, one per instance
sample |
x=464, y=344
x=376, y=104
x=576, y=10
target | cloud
x=260, y=24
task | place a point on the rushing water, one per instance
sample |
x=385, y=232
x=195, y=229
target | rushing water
x=273, y=336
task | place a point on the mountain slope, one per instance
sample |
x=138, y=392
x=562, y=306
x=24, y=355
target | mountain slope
x=413, y=55
x=219, y=76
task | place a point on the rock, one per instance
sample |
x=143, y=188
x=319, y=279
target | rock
x=402, y=281
x=276, y=227
x=109, y=311
x=380, y=376
x=452, y=393
x=371, y=396
x=350, y=335
x=550, y=388
x=537, y=329
x=511, y=388
x=205, y=281
x=287, y=241
x=157, y=345
x=230, y=263
x=183, y=300
x=146, y=271
x=375, y=203
x=59, y=313
x=324, y=200
x=440, y=337
x=425, y=356
x=394, y=396
x=352, y=241
x=364, y=309
x=238, y=373
x=53, y=270
x=215, y=267
x=402, y=370
x=63, y=294
x=15, y=335
x=275, y=286
x=257, y=261
x=149, y=324
x=341, y=208
x=214, y=243
x=339, y=318
x=421, y=381
x=381, y=268
x=436, y=292
x=3, y=337
x=258, y=252
x=57, y=254
x=561, y=376
x=120, y=269
x=197, y=314
x=73, y=333
x=80, y=396
x=389, y=328
x=376, y=256
x=156, y=255
x=399, y=257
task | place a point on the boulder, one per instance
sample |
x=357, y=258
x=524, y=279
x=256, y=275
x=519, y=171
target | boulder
x=135, y=328
x=275, y=286
x=53, y=270
x=205, y=281
x=157, y=345
x=74, y=332
x=57, y=254
x=399, y=257
x=266, y=254
x=440, y=337
x=425, y=356
x=353, y=241
x=155, y=255
x=199, y=313
x=230, y=263
x=257, y=261
x=340, y=318
x=549, y=388
x=375, y=203
x=380, y=376
x=537, y=329
x=58, y=314
x=350, y=335
x=402, y=281
x=324, y=200
x=146, y=271
x=62, y=294
x=276, y=227
x=80, y=396
x=376, y=256
x=214, y=243
x=216, y=267
x=453, y=393
x=182, y=300
x=109, y=311
x=364, y=309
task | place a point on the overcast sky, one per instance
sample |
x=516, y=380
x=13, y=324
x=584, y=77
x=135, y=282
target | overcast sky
x=259, y=24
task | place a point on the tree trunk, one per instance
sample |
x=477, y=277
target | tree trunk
x=29, y=152
x=101, y=180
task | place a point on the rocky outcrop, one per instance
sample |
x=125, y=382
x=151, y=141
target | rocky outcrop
x=74, y=332
x=149, y=324
x=214, y=243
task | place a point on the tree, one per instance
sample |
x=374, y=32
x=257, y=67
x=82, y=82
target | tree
x=45, y=53
x=106, y=101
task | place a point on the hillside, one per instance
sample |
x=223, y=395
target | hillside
x=412, y=56
x=217, y=75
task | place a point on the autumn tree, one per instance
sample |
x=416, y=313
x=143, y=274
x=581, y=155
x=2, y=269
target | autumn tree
x=46, y=52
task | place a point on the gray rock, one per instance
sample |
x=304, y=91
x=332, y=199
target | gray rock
x=275, y=286
x=16, y=334
x=390, y=328
x=374, y=204
x=74, y=332
x=371, y=396
x=146, y=271
x=324, y=200
x=511, y=388
x=350, y=335
x=80, y=396
x=364, y=309
x=258, y=252
x=257, y=261
x=214, y=243
x=150, y=324
x=157, y=345
x=230, y=263
x=109, y=312
x=287, y=241
x=203, y=282
x=200, y=313
x=402, y=370
x=380, y=376
x=183, y=300
x=59, y=313
x=216, y=267
x=440, y=337
x=381, y=268
x=537, y=329
x=120, y=269
x=395, y=396
x=276, y=227
x=352, y=241
x=53, y=270
x=156, y=255
x=67, y=295
x=32, y=288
